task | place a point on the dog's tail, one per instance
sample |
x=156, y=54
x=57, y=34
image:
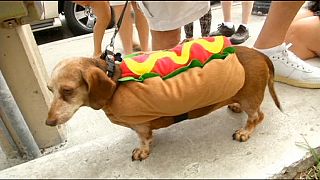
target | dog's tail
x=271, y=84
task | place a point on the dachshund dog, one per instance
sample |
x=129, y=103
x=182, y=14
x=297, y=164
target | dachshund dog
x=81, y=81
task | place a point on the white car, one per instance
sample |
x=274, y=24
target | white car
x=80, y=20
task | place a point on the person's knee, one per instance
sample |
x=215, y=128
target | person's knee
x=295, y=32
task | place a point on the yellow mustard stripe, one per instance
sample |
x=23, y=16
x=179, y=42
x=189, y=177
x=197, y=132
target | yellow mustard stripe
x=141, y=68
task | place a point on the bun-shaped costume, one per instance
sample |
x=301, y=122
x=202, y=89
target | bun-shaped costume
x=172, y=82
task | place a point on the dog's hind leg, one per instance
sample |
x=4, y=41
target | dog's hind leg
x=254, y=118
x=145, y=134
x=235, y=107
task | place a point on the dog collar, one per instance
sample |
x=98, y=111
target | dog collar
x=111, y=67
x=111, y=61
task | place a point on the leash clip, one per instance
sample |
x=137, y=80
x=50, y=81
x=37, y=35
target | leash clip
x=110, y=59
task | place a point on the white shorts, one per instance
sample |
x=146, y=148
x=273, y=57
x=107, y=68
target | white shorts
x=170, y=15
x=117, y=3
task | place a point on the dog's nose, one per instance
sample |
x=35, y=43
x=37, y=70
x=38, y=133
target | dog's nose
x=51, y=122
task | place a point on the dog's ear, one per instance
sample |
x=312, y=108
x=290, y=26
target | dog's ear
x=100, y=87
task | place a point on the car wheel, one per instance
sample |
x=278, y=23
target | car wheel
x=80, y=20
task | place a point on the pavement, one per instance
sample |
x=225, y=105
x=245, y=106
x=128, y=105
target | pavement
x=201, y=148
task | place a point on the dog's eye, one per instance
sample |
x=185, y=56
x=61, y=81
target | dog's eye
x=67, y=92
x=50, y=88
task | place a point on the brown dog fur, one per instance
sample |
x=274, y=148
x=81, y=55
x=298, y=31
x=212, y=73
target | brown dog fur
x=77, y=83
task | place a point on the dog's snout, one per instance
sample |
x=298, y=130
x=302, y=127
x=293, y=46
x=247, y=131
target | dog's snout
x=50, y=122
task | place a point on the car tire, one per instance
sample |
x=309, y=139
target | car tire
x=76, y=26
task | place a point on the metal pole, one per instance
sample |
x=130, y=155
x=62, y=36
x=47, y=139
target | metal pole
x=14, y=122
x=7, y=144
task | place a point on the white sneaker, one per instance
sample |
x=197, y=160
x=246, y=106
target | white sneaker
x=291, y=70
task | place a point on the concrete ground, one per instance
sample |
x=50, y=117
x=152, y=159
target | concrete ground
x=200, y=148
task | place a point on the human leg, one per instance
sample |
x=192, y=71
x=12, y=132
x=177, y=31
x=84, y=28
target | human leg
x=277, y=21
x=288, y=67
x=227, y=10
x=305, y=37
x=205, y=24
x=142, y=27
x=188, y=29
x=227, y=27
x=303, y=13
x=165, y=39
x=102, y=11
x=246, y=11
x=242, y=33
x=126, y=29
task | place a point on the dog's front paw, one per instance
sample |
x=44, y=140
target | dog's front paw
x=140, y=154
x=241, y=135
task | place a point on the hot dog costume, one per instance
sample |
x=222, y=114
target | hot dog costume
x=172, y=82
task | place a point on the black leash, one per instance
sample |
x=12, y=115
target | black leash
x=109, y=55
